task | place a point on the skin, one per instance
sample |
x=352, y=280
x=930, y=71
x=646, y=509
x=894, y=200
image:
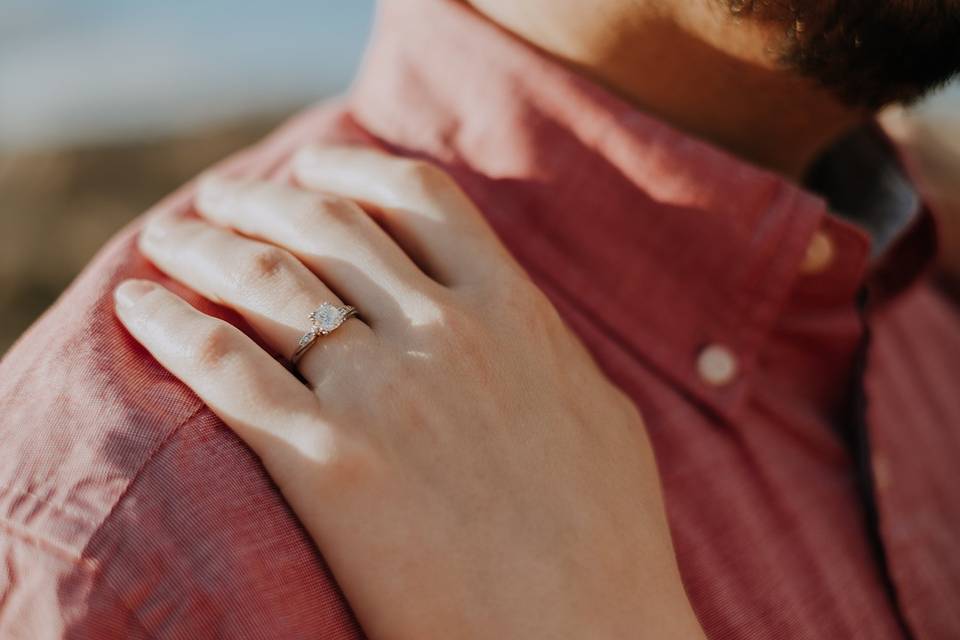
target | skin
x=694, y=65
x=461, y=462
x=459, y=459
x=720, y=77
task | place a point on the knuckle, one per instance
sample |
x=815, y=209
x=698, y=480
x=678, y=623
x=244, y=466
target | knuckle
x=423, y=176
x=213, y=345
x=459, y=318
x=461, y=326
x=265, y=263
x=512, y=290
x=520, y=299
x=470, y=343
x=520, y=292
x=338, y=211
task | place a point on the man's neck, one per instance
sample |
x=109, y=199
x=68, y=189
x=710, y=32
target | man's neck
x=693, y=66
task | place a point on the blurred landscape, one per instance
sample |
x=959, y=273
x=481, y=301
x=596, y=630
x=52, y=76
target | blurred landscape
x=108, y=105
x=60, y=206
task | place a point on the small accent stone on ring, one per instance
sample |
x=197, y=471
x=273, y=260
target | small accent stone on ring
x=308, y=337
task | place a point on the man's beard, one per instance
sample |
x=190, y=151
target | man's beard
x=867, y=52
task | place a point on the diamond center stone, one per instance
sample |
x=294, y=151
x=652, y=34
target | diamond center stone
x=327, y=317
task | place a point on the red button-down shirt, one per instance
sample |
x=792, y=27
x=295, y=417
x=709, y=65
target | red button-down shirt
x=128, y=510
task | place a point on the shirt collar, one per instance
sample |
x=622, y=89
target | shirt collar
x=670, y=244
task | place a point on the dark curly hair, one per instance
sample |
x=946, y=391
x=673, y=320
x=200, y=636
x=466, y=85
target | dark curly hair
x=868, y=52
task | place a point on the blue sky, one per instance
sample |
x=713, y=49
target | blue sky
x=81, y=71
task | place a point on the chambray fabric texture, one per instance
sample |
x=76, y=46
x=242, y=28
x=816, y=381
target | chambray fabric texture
x=127, y=510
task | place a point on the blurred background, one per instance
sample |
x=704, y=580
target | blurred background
x=107, y=105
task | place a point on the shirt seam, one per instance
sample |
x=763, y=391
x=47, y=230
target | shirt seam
x=136, y=476
x=96, y=573
x=134, y=616
x=12, y=527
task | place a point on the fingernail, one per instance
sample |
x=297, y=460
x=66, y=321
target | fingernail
x=129, y=292
x=212, y=189
x=306, y=155
x=156, y=229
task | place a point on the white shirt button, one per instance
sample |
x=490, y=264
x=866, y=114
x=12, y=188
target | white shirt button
x=819, y=254
x=717, y=365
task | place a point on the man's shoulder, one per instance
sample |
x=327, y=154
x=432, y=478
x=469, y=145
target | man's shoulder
x=78, y=395
x=115, y=470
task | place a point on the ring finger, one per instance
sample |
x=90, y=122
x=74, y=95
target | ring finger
x=269, y=287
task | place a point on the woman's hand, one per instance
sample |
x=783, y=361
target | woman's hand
x=463, y=465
